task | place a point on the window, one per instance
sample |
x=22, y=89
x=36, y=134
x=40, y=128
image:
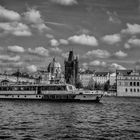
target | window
x=130, y=89
x=134, y=83
x=130, y=83
x=126, y=90
x=138, y=83
x=134, y=90
x=138, y=90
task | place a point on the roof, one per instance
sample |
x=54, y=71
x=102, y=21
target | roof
x=124, y=72
x=87, y=72
x=101, y=73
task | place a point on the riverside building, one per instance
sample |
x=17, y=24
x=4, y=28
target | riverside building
x=128, y=83
x=101, y=77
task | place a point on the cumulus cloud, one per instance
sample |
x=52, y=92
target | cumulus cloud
x=134, y=41
x=65, y=2
x=15, y=28
x=65, y=55
x=120, y=54
x=113, y=17
x=115, y=66
x=112, y=39
x=127, y=46
x=63, y=41
x=15, y=48
x=97, y=63
x=56, y=50
x=85, y=66
x=98, y=53
x=54, y=42
x=33, y=16
x=84, y=40
x=49, y=36
x=32, y=68
x=9, y=14
x=9, y=58
x=41, y=51
x=131, y=29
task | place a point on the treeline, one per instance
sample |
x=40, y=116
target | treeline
x=92, y=85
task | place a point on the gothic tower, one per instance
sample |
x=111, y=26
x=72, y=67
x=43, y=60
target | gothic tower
x=71, y=69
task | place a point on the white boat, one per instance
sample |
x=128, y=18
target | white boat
x=47, y=92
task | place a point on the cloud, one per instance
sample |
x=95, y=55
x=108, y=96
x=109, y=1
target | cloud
x=113, y=17
x=131, y=29
x=98, y=53
x=83, y=31
x=49, y=36
x=112, y=39
x=134, y=41
x=41, y=51
x=15, y=28
x=115, y=66
x=120, y=54
x=65, y=55
x=97, y=63
x=33, y=17
x=32, y=68
x=127, y=46
x=15, y=48
x=84, y=40
x=63, y=41
x=54, y=42
x=56, y=50
x=65, y=2
x=85, y=66
x=9, y=14
x=9, y=58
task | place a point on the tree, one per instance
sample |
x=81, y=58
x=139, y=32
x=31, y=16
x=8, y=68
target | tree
x=106, y=86
x=79, y=84
x=91, y=84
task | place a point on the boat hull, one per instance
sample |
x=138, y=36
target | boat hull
x=53, y=97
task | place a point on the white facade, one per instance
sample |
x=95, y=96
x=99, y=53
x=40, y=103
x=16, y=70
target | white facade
x=14, y=79
x=85, y=78
x=128, y=84
x=112, y=78
x=101, y=77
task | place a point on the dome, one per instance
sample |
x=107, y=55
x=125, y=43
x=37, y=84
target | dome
x=54, y=67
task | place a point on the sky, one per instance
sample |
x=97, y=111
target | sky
x=104, y=34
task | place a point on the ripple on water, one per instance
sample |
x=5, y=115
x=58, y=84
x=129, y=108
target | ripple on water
x=115, y=118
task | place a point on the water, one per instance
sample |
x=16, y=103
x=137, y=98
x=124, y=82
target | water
x=114, y=118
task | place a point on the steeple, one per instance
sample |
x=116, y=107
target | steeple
x=71, y=56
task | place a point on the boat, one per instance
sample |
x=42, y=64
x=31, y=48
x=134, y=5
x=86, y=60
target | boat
x=48, y=92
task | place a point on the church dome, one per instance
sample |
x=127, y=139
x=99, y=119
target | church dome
x=54, y=67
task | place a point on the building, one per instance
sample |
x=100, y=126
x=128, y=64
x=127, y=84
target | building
x=85, y=77
x=13, y=78
x=128, y=83
x=71, y=69
x=112, y=79
x=51, y=74
x=101, y=77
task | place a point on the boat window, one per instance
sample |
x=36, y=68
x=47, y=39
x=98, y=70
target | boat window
x=70, y=88
x=52, y=88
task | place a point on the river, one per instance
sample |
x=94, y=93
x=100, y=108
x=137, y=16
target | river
x=113, y=118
